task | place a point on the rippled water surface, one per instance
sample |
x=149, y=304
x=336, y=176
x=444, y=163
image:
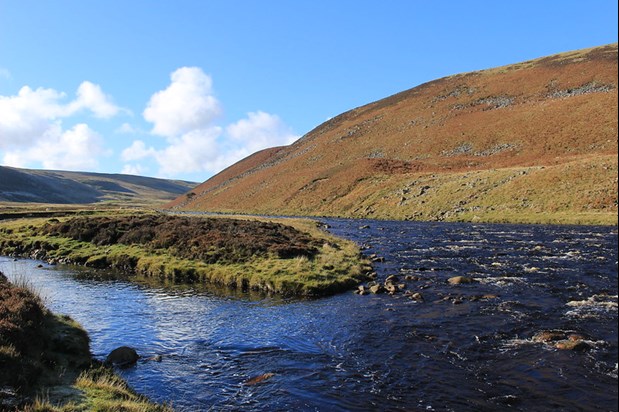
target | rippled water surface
x=464, y=347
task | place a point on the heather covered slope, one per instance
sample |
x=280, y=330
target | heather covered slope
x=62, y=187
x=534, y=141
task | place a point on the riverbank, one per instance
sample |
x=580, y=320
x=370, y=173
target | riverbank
x=46, y=365
x=292, y=259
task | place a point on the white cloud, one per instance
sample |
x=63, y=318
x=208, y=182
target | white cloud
x=211, y=149
x=27, y=116
x=187, y=104
x=33, y=114
x=184, y=113
x=90, y=96
x=259, y=131
x=137, y=151
x=75, y=149
x=196, y=151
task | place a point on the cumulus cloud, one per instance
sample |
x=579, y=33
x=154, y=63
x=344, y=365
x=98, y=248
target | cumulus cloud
x=137, y=151
x=196, y=151
x=28, y=115
x=33, y=114
x=185, y=113
x=259, y=131
x=210, y=149
x=31, y=128
x=91, y=97
x=78, y=148
x=187, y=104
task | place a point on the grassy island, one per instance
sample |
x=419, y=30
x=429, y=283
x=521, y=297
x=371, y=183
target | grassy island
x=293, y=259
x=46, y=365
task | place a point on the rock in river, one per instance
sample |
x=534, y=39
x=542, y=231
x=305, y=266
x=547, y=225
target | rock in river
x=122, y=357
x=575, y=344
x=548, y=336
x=458, y=280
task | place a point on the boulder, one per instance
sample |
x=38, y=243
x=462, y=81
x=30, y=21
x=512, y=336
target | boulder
x=458, y=280
x=548, y=336
x=377, y=289
x=122, y=357
x=569, y=344
x=391, y=288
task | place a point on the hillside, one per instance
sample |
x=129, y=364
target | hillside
x=60, y=187
x=534, y=141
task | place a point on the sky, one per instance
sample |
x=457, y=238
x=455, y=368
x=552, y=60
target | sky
x=182, y=89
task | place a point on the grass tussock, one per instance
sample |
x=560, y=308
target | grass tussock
x=22, y=317
x=295, y=258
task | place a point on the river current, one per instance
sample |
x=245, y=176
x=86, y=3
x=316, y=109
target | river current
x=465, y=347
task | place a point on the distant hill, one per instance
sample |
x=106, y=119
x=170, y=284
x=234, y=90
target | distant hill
x=61, y=187
x=533, y=141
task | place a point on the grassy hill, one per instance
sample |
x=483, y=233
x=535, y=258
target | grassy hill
x=529, y=142
x=61, y=187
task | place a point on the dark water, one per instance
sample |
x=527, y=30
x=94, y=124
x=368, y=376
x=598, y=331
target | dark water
x=465, y=347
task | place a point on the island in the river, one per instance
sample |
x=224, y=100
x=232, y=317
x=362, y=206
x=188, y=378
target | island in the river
x=294, y=258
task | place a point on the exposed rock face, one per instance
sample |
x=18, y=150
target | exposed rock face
x=123, y=356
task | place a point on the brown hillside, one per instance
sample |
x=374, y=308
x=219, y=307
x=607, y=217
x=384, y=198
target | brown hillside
x=517, y=143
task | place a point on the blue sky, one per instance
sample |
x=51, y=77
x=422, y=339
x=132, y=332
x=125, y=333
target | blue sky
x=184, y=88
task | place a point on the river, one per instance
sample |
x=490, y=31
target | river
x=463, y=347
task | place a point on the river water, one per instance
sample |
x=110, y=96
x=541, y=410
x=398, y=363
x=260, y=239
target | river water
x=464, y=347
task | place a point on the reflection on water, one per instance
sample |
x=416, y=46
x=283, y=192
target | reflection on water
x=464, y=347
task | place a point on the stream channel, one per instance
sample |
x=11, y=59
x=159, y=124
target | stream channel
x=464, y=347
